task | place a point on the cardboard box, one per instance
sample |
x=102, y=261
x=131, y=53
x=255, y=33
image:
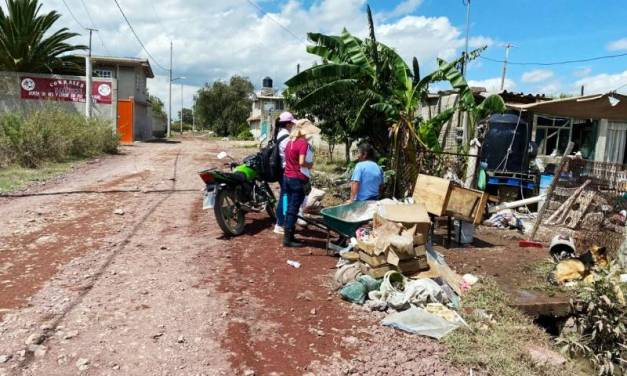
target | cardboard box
x=433, y=193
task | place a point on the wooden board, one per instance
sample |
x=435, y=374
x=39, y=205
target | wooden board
x=574, y=216
x=395, y=258
x=406, y=267
x=433, y=192
x=374, y=261
x=413, y=266
x=466, y=204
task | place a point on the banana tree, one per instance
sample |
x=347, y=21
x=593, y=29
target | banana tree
x=389, y=88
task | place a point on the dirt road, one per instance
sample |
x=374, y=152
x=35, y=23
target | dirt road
x=127, y=275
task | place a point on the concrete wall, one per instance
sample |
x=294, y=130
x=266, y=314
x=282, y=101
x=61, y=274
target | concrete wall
x=452, y=132
x=142, y=129
x=11, y=101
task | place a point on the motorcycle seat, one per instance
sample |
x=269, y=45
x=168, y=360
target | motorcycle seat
x=237, y=176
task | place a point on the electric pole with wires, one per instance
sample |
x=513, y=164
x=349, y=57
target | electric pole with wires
x=170, y=96
x=88, y=74
x=507, y=47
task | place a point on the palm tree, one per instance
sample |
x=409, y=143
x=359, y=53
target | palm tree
x=389, y=88
x=28, y=44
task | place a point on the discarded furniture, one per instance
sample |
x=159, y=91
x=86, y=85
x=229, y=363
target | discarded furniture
x=441, y=197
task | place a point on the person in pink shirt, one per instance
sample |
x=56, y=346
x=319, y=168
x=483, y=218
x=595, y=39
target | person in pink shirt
x=298, y=164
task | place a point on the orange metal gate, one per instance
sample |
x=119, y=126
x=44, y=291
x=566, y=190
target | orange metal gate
x=125, y=120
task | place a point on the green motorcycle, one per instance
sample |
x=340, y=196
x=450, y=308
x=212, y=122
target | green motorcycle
x=233, y=194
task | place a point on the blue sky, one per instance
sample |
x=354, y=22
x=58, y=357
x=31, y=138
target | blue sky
x=216, y=39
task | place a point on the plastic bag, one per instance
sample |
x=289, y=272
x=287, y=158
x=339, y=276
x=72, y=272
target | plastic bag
x=354, y=292
x=418, y=321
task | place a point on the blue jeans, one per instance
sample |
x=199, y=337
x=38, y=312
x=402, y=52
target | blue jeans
x=281, y=207
x=295, y=189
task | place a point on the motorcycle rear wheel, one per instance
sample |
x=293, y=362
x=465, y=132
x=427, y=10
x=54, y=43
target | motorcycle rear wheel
x=229, y=214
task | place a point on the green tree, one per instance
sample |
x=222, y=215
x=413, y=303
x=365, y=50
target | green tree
x=28, y=42
x=224, y=107
x=157, y=106
x=334, y=116
x=188, y=116
x=388, y=88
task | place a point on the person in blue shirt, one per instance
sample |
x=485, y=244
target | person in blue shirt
x=367, y=179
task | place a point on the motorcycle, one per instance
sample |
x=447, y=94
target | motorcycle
x=233, y=194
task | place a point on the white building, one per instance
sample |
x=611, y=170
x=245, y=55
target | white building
x=266, y=107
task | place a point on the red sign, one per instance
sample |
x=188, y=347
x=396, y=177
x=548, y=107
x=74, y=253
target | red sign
x=62, y=89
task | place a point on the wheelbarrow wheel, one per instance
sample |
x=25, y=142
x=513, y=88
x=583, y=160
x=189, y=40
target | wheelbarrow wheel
x=229, y=214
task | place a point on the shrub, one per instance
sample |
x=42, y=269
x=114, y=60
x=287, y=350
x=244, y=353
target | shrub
x=601, y=321
x=52, y=134
x=245, y=135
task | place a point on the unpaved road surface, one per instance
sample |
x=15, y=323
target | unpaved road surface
x=125, y=274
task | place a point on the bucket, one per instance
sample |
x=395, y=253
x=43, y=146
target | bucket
x=467, y=232
x=545, y=182
x=562, y=247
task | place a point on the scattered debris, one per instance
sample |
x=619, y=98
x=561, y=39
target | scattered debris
x=82, y=364
x=543, y=357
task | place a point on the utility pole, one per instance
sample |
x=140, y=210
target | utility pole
x=88, y=73
x=465, y=61
x=170, y=96
x=182, y=108
x=194, y=115
x=507, y=47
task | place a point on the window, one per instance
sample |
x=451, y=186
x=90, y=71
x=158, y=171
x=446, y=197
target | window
x=552, y=135
x=103, y=73
x=279, y=105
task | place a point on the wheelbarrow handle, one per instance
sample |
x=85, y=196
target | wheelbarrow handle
x=316, y=223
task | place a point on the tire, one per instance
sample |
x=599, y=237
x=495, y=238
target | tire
x=229, y=216
x=271, y=210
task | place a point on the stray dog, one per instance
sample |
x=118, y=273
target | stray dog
x=578, y=268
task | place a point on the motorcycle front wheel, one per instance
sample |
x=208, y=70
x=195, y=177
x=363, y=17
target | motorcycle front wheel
x=229, y=214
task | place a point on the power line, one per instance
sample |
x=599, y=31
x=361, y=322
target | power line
x=93, y=25
x=251, y=2
x=585, y=60
x=137, y=37
x=73, y=16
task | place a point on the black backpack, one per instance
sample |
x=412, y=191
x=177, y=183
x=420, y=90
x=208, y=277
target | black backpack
x=270, y=166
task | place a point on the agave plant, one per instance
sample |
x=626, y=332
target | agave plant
x=390, y=88
x=27, y=42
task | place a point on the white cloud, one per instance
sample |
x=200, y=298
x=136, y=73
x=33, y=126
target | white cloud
x=582, y=72
x=493, y=85
x=216, y=39
x=618, y=45
x=403, y=8
x=602, y=83
x=537, y=75
x=551, y=89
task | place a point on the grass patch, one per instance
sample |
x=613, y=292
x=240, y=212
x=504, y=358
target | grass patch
x=538, y=277
x=498, y=343
x=15, y=177
x=51, y=134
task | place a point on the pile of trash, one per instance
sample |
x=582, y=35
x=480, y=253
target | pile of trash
x=391, y=267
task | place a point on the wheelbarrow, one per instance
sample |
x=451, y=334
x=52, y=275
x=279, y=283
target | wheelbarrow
x=337, y=219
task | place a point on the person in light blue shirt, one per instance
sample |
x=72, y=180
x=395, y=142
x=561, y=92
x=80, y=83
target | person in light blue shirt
x=367, y=180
